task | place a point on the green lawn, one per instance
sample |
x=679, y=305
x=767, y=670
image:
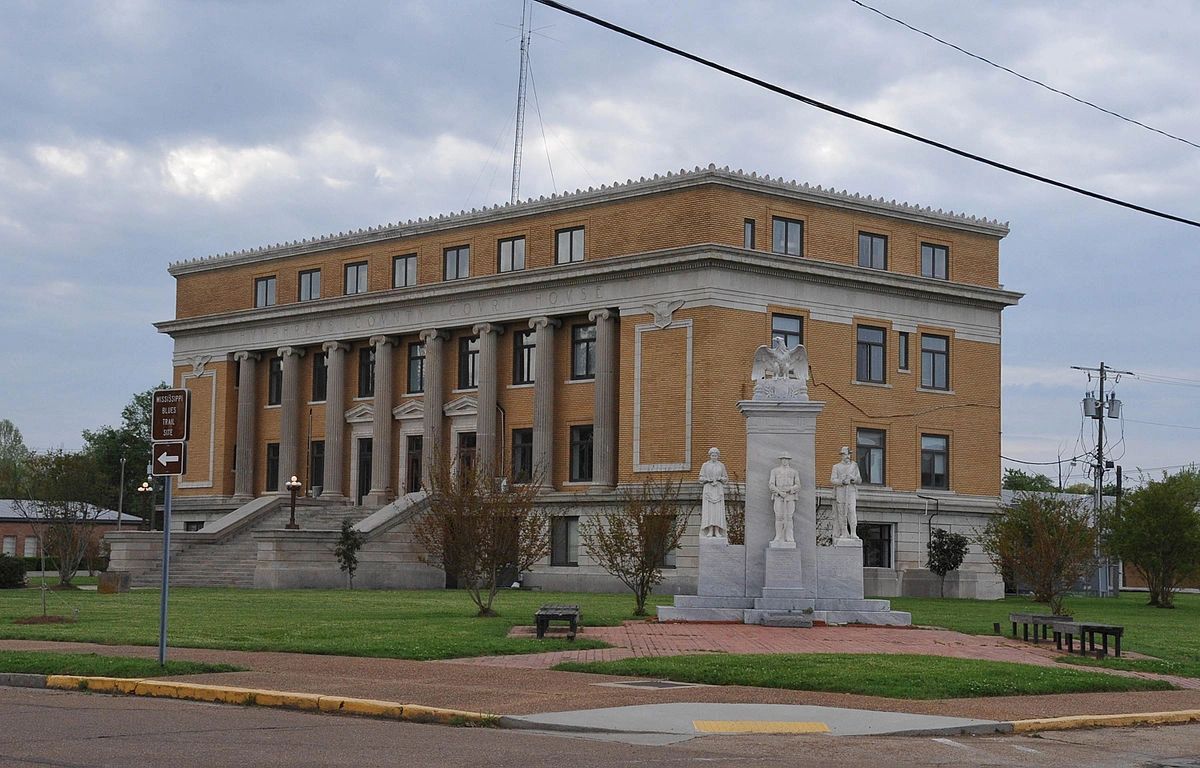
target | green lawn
x=433, y=624
x=40, y=663
x=1172, y=636
x=898, y=676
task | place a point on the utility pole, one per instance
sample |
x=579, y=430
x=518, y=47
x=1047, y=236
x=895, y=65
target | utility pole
x=1098, y=409
x=526, y=32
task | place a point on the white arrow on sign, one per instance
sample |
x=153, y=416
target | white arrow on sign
x=166, y=459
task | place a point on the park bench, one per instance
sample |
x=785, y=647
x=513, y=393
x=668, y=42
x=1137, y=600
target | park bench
x=1086, y=631
x=549, y=613
x=1026, y=620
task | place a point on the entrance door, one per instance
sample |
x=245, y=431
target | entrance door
x=364, y=469
x=412, y=467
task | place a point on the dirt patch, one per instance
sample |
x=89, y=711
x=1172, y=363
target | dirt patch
x=44, y=620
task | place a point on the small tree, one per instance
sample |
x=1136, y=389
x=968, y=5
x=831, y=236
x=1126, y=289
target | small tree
x=1018, y=480
x=61, y=504
x=479, y=528
x=1047, y=542
x=1157, y=531
x=946, y=553
x=632, y=539
x=346, y=551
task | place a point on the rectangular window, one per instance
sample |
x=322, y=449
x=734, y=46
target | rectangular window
x=264, y=291
x=903, y=350
x=468, y=362
x=466, y=450
x=366, y=372
x=583, y=352
x=416, y=367
x=564, y=541
x=870, y=357
x=935, y=460
x=310, y=285
x=581, y=454
x=748, y=234
x=787, y=236
x=272, y=466
x=404, y=271
x=510, y=254
x=10, y=546
x=870, y=447
x=31, y=546
x=316, y=464
x=524, y=357
x=413, y=449
x=789, y=328
x=457, y=263
x=935, y=362
x=522, y=455
x=934, y=260
x=872, y=250
x=568, y=245
x=275, y=381
x=876, y=544
x=193, y=525
x=356, y=278
x=320, y=377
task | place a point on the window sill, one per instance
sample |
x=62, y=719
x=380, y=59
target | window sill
x=905, y=371
x=933, y=391
x=564, y=565
x=521, y=386
x=269, y=407
x=360, y=397
x=879, y=384
x=578, y=483
x=581, y=381
x=461, y=391
x=414, y=394
x=316, y=402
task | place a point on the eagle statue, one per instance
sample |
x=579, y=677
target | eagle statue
x=778, y=362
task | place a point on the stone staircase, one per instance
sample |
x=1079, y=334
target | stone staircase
x=231, y=562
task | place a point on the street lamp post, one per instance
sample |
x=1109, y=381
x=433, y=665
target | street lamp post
x=147, y=491
x=293, y=485
x=121, y=495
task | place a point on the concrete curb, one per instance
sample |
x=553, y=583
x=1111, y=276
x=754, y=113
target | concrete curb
x=1105, y=721
x=307, y=702
x=22, y=680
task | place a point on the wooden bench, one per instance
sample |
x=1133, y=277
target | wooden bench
x=549, y=613
x=1035, y=620
x=1086, y=631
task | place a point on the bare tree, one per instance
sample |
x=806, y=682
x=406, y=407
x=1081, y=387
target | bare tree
x=478, y=529
x=60, y=504
x=632, y=539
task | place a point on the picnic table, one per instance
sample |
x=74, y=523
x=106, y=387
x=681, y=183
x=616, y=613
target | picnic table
x=549, y=613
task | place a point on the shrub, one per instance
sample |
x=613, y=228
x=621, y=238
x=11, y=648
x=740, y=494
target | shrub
x=12, y=572
x=946, y=553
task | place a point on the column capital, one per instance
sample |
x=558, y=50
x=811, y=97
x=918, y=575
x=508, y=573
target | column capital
x=243, y=355
x=335, y=346
x=285, y=351
x=481, y=328
x=429, y=334
x=601, y=314
x=543, y=321
x=376, y=341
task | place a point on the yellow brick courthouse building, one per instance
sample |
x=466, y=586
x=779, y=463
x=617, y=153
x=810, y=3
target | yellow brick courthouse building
x=593, y=338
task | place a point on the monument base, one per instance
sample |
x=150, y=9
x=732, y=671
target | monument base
x=722, y=571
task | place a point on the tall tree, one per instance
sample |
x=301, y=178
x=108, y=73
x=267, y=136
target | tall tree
x=1157, y=530
x=13, y=455
x=63, y=499
x=107, y=445
x=1019, y=480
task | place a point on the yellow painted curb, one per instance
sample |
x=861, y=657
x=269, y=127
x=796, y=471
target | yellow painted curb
x=1112, y=721
x=419, y=714
x=308, y=702
x=758, y=726
x=94, y=684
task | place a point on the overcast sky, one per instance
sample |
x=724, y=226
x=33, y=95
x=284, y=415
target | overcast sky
x=134, y=134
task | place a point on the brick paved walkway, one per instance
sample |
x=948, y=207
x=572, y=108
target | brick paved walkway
x=645, y=638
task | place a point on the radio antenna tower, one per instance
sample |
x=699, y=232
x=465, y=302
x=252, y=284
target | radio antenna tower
x=526, y=32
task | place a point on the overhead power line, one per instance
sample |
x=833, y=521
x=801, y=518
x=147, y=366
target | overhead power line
x=1026, y=78
x=859, y=118
x=1160, y=424
x=1042, y=463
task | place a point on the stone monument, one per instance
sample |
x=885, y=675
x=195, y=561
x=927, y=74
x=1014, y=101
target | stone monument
x=780, y=576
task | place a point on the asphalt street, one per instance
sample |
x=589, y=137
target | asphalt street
x=69, y=730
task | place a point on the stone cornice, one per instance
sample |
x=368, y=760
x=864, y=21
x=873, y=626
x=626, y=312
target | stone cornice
x=591, y=196
x=564, y=277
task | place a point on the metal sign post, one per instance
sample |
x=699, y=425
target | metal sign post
x=166, y=570
x=169, y=425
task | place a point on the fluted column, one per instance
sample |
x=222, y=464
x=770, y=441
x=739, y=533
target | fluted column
x=485, y=423
x=604, y=419
x=289, y=414
x=543, y=399
x=243, y=476
x=335, y=418
x=381, y=425
x=431, y=443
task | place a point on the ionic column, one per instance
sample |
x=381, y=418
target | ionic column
x=604, y=420
x=485, y=424
x=381, y=425
x=335, y=418
x=431, y=443
x=543, y=398
x=289, y=413
x=243, y=476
